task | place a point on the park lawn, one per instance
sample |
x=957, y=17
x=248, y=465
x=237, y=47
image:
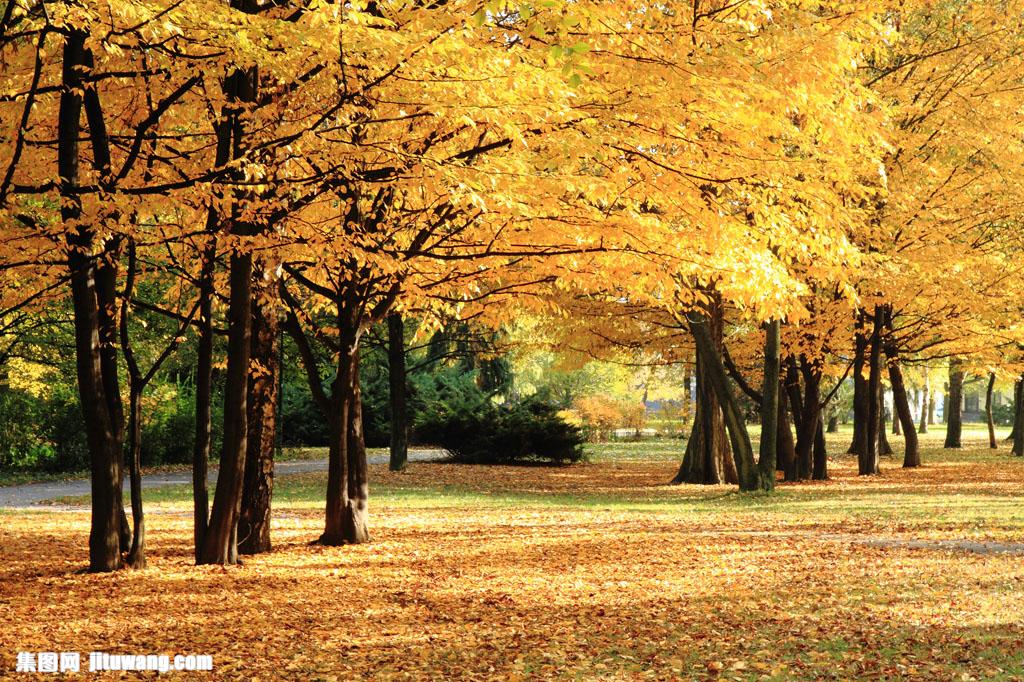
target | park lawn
x=593, y=571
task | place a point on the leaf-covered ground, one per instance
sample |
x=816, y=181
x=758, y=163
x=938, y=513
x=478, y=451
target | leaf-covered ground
x=596, y=571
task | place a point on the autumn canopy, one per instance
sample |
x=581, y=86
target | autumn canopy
x=793, y=203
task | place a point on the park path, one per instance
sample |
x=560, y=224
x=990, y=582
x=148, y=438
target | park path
x=33, y=493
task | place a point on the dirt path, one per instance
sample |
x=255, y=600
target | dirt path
x=33, y=493
x=949, y=545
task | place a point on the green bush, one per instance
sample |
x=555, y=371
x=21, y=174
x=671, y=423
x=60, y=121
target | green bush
x=63, y=427
x=169, y=429
x=42, y=433
x=48, y=433
x=1003, y=414
x=530, y=431
x=23, y=445
x=301, y=421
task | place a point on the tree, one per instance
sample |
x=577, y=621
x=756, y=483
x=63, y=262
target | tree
x=954, y=405
x=398, y=393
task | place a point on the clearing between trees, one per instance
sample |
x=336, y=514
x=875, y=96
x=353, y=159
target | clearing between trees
x=596, y=570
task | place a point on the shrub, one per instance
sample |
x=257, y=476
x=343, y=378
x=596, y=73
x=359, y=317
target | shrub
x=301, y=421
x=23, y=444
x=601, y=415
x=1003, y=414
x=530, y=431
x=169, y=425
x=63, y=426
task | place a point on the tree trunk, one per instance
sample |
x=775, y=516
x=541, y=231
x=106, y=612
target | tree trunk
x=103, y=421
x=1018, y=385
x=1018, y=420
x=399, y=454
x=357, y=515
x=708, y=459
x=258, y=486
x=708, y=445
x=137, y=553
x=925, y=397
x=337, y=468
x=219, y=544
x=688, y=406
x=768, y=447
x=204, y=402
x=791, y=384
x=954, y=406
x=868, y=459
x=833, y=423
x=711, y=361
x=202, y=445
x=931, y=409
x=897, y=425
x=786, y=444
x=820, y=472
x=911, y=451
x=136, y=386
x=347, y=489
x=810, y=419
x=860, y=391
x=988, y=412
x=884, y=447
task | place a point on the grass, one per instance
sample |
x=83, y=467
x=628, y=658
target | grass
x=24, y=476
x=21, y=477
x=590, y=571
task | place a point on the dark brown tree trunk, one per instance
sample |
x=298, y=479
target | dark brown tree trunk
x=399, y=454
x=786, y=443
x=219, y=544
x=860, y=391
x=204, y=402
x=988, y=412
x=931, y=409
x=820, y=472
x=954, y=406
x=106, y=267
x=345, y=513
x=868, y=459
x=911, y=450
x=708, y=445
x=1018, y=385
x=1018, y=446
x=101, y=409
x=897, y=425
x=357, y=514
x=347, y=488
x=708, y=459
x=203, y=443
x=258, y=486
x=810, y=419
x=137, y=552
x=688, y=406
x=709, y=353
x=805, y=415
x=768, y=446
x=901, y=404
x=925, y=397
x=136, y=387
x=833, y=423
x=884, y=447
x=337, y=469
